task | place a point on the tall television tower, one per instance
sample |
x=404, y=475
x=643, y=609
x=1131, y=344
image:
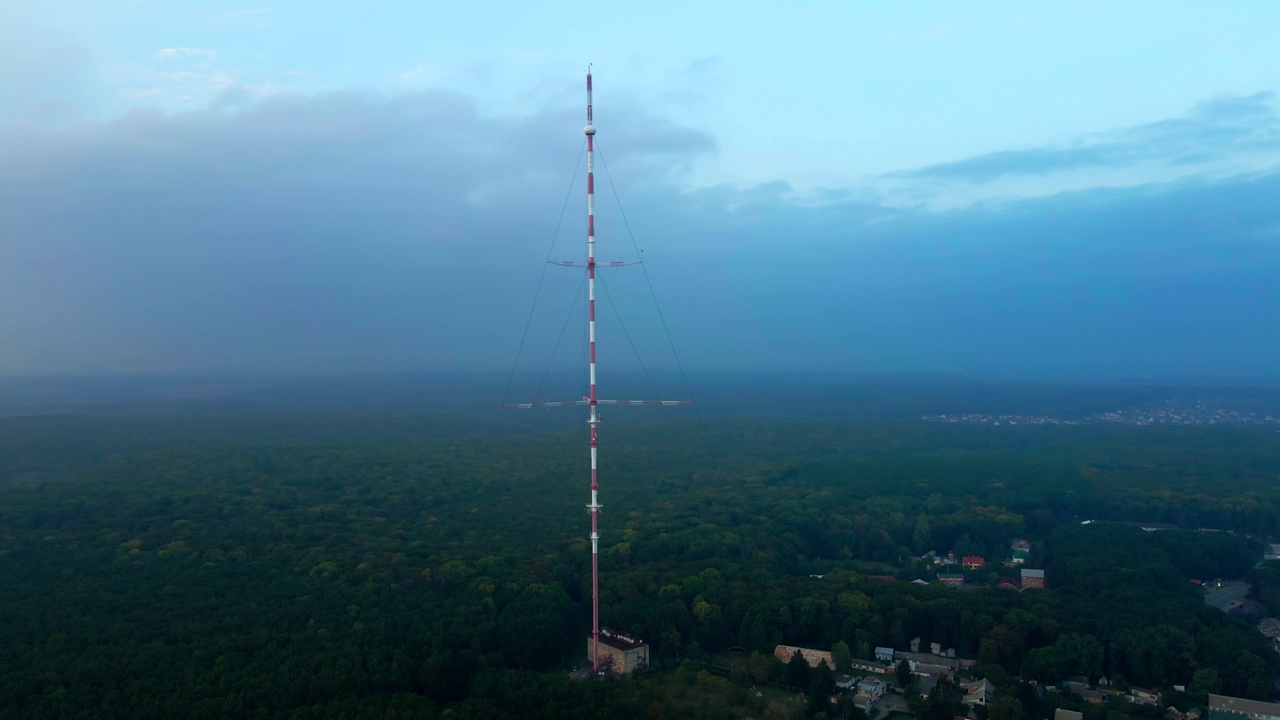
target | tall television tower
x=591, y=400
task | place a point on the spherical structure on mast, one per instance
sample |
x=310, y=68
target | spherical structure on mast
x=589, y=130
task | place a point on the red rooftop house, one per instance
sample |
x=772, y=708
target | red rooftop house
x=973, y=562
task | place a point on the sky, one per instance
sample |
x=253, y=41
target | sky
x=1078, y=189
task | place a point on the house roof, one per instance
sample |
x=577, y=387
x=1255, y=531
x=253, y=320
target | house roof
x=1240, y=705
x=621, y=642
x=1029, y=573
x=980, y=683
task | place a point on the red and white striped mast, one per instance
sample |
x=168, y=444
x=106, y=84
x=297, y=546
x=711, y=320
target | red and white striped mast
x=592, y=401
x=593, y=420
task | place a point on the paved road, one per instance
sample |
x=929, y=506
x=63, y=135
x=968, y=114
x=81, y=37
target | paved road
x=1222, y=597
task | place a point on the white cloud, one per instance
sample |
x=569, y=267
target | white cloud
x=185, y=52
x=175, y=75
x=426, y=74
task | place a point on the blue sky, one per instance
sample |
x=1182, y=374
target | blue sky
x=1026, y=188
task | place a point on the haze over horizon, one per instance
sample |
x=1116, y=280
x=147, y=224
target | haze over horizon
x=1057, y=190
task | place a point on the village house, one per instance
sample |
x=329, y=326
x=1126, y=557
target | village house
x=1086, y=693
x=1032, y=578
x=973, y=562
x=871, y=667
x=1020, y=549
x=870, y=689
x=1143, y=696
x=934, y=663
x=951, y=579
x=932, y=670
x=978, y=692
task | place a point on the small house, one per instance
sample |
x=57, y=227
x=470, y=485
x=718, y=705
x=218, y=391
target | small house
x=870, y=689
x=1144, y=696
x=1032, y=578
x=978, y=692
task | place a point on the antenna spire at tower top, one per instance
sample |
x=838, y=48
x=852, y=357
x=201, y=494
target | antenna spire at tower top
x=591, y=128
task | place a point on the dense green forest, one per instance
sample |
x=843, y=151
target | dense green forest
x=223, y=566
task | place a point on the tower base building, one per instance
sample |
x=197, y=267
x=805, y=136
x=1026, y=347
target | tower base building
x=619, y=653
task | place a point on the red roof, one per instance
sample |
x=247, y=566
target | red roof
x=973, y=560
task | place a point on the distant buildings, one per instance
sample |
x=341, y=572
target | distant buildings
x=951, y=579
x=1175, y=411
x=973, y=562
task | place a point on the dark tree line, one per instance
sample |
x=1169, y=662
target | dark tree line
x=379, y=578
